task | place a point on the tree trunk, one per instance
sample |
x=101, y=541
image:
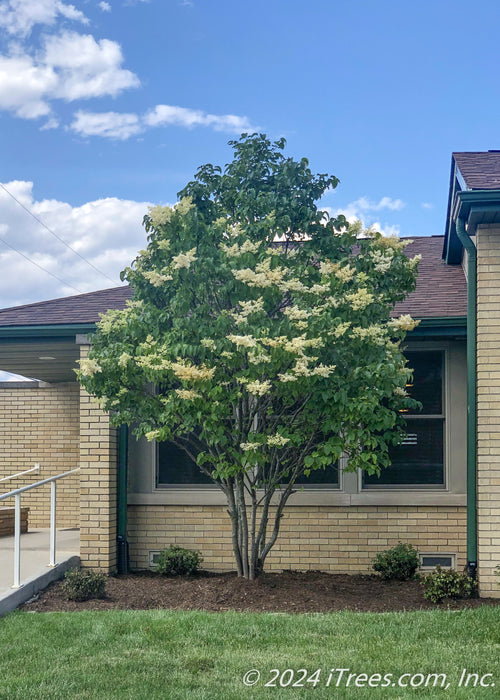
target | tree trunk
x=250, y=543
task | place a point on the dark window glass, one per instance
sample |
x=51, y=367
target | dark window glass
x=427, y=383
x=325, y=477
x=419, y=459
x=176, y=467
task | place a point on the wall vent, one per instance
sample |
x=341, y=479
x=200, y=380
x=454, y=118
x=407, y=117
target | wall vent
x=445, y=561
x=153, y=557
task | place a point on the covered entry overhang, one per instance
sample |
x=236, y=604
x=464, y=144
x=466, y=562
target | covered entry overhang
x=46, y=353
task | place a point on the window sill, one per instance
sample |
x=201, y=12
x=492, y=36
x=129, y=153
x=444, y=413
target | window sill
x=311, y=497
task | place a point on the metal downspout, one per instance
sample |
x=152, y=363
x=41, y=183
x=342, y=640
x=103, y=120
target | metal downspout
x=471, y=396
x=122, y=544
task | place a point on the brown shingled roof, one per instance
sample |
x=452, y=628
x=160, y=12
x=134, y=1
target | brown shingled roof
x=480, y=169
x=441, y=291
x=81, y=308
x=441, y=288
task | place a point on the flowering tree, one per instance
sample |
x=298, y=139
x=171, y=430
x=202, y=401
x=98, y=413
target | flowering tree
x=259, y=339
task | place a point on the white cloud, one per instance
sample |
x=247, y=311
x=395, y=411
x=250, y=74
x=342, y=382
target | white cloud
x=121, y=126
x=427, y=205
x=111, y=125
x=360, y=209
x=86, y=67
x=108, y=232
x=19, y=17
x=51, y=123
x=363, y=204
x=171, y=115
x=104, y=6
x=70, y=66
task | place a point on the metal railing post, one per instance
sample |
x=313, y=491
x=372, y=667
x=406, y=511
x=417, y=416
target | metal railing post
x=16, y=493
x=17, y=542
x=53, y=486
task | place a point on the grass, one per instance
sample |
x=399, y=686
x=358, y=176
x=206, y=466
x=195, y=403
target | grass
x=196, y=655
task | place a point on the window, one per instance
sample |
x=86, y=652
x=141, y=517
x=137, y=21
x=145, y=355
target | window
x=419, y=460
x=325, y=478
x=175, y=468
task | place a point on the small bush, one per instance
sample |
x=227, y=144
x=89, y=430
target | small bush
x=176, y=561
x=398, y=563
x=84, y=584
x=447, y=583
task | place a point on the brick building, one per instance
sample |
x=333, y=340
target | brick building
x=441, y=493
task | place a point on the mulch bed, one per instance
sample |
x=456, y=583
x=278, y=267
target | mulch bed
x=290, y=591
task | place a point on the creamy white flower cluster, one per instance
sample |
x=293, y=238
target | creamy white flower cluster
x=403, y=323
x=376, y=333
x=247, y=308
x=249, y=446
x=89, y=367
x=236, y=250
x=208, y=343
x=156, y=278
x=160, y=215
x=191, y=373
x=187, y=394
x=277, y=440
x=124, y=359
x=361, y=299
x=184, y=259
x=382, y=260
x=393, y=242
x=302, y=368
x=243, y=341
x=183, y=370
x=259, y=388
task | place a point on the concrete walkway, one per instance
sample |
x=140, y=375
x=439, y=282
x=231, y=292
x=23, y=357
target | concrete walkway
x=35, y=572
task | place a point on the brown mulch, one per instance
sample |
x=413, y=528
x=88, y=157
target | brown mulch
x=290, y=591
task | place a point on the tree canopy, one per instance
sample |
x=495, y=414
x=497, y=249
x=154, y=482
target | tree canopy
x=260, y=338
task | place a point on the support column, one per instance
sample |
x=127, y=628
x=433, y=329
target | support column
x=488, y=408
x=98, y=488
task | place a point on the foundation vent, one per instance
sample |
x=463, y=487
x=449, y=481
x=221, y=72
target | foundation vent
x=430, y=561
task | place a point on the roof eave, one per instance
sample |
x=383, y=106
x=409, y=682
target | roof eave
x=475, y=207
x=56, y=330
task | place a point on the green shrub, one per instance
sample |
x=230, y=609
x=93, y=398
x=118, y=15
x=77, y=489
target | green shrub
x=447, y=583
x=398, y=563
x=84, y=584
x=176, y=561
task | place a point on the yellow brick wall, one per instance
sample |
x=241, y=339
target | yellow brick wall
x=41, y=424
x=488, y=408
x=98, y=462
x=335, y=539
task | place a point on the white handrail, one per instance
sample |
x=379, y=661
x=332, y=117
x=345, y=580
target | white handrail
x=17, y=519
x=36, y=468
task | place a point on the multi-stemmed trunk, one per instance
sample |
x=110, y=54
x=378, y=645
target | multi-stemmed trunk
x=255, y=520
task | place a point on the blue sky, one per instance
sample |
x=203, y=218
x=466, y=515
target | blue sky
x=106, y=107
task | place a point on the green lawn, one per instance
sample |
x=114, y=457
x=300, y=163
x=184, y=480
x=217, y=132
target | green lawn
x=165, y=654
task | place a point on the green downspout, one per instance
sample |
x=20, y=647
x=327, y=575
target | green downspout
x=471, y=395
x=122, y=544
